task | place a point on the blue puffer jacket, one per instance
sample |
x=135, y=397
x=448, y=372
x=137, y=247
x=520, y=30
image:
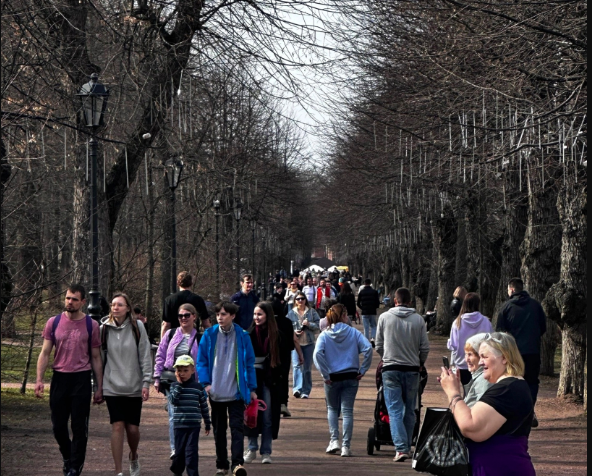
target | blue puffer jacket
x=246, y=376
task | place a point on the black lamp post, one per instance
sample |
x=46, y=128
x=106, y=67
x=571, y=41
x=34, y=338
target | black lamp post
x=93, y=99
x=237, y=215
x=217, y=215
x=172, y=170
x=253, y=226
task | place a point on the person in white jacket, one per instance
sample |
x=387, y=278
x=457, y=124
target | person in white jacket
x=337, y=357
x=127, y=363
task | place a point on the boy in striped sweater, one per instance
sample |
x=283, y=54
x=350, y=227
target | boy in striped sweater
x=190, y=403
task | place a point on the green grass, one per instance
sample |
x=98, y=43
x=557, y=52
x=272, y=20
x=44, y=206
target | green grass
x=13, y=359
x=16, y=407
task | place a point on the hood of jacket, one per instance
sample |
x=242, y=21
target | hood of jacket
x=403, y=312
x=105, y=321
x=339, y=332
x=473, y=319
x=520, y=299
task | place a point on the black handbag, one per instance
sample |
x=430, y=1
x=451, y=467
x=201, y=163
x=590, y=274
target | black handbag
x=168, y=377
x=440, y=446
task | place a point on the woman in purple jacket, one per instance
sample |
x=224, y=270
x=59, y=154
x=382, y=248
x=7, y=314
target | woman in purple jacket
x=183, y=340
x=468, y=323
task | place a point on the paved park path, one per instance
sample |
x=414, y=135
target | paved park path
x=558, y=446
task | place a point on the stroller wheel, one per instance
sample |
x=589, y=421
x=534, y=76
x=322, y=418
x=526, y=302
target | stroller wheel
x=371, y=443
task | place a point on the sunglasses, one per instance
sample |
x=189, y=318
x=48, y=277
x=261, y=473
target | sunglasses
x=187, y=315
x=300, y=299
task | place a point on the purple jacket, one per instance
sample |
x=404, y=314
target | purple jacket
x=471, y=324
x=165, y=355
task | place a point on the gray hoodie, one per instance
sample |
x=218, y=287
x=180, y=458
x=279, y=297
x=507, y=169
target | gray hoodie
x=401, y=338
x=128, y=368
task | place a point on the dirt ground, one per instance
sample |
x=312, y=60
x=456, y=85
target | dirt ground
x=557, y=447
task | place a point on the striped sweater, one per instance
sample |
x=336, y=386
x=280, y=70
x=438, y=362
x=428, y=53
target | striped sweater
x=190, y=404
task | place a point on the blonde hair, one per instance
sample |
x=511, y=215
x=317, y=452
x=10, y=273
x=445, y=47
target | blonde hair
x=460, y=293
x=505, y=345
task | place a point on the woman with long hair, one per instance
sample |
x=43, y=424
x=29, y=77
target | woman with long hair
x=127, y=364
x=457, y=299
x=267, y=341
x=468, y=323
x=347, y=298
x=497, y=427
x=183, y=340
x=305, y=321
x=337, y=356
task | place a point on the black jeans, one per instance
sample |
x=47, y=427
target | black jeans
x=69, y=398
x=285, y=383
x=532, y=370
x=222, y=412
x=186, y=451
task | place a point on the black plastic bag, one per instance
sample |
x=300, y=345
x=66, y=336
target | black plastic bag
x=440, y=448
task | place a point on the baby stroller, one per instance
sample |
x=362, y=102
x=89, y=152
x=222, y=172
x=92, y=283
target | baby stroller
x=380, y=433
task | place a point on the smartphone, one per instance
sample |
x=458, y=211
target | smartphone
x=446, y=362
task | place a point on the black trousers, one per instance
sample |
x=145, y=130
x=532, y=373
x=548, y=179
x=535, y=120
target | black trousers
x=285, y=384
x=532, y=370
x=69, y=399
x=186, y=451
x=224, y=413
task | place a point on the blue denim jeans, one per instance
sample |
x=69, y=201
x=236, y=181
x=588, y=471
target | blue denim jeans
x=266, y=431
x=369, y=327
x=171, y=411
x=302, y=374
x=340, y=400
x=400, y=395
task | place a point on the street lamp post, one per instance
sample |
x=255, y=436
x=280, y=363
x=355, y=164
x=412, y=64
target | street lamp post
x=217, y=215
x=93, y=97
x=172, y=170
x=237, y=215
x=253, y=226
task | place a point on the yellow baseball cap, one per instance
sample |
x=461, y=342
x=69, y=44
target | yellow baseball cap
x=184, y=361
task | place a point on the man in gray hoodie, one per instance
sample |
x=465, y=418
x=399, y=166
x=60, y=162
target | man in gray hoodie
x=402, y=342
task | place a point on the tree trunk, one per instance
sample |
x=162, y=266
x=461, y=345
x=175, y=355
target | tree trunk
x=445, y=235
x=473, y=223
x=566, y=301
x=5, y=276
x=153, y=322
x=460, y=268
x=540, y=266
x=433, y=286
x=514, y=219
x=165, y=251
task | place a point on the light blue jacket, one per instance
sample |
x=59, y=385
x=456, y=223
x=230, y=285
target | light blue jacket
x=338, y=350
x=245, y=363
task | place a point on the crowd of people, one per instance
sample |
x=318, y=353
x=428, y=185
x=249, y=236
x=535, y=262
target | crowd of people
x=210, y=372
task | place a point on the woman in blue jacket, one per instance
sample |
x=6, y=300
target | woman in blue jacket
x=337, y=356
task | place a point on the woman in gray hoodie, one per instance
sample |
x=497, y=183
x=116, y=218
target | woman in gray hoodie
x=127, y=365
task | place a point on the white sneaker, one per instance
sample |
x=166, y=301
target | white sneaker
x=250, y=456
x=333, y=447
x=221, y=472
x=172, y=454
x=346, y=452
x=266, y=459
x=135, y=467
x=304, y=395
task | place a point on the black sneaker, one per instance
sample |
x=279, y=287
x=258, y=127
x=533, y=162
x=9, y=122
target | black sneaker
x=297, y=395
x=535, y=422
x=373, y=343
x=66, y=468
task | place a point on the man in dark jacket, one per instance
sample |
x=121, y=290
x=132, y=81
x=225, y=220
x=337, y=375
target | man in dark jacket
x=524, y=318
x=246, y=300
x=170, y=319
x=369, y=302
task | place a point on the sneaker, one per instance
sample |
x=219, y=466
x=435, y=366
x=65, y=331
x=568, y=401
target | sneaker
x=239, y=471
x=346, y=452
x=373, y=343
x=284, y=411
x=297, y=395
x=221, y=472
x=135, y=466
x=400, y=457
x=333, y=447
x=535, y=422
x=66, y=468
x=304, y=395
x=73, y=472
x=172, y=454
x=266, y=459
x=250, y=456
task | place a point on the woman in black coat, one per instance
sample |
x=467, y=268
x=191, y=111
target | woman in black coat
x=267, y=342
x=348, y=299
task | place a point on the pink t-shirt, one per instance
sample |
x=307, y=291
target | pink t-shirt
x=71, y=344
